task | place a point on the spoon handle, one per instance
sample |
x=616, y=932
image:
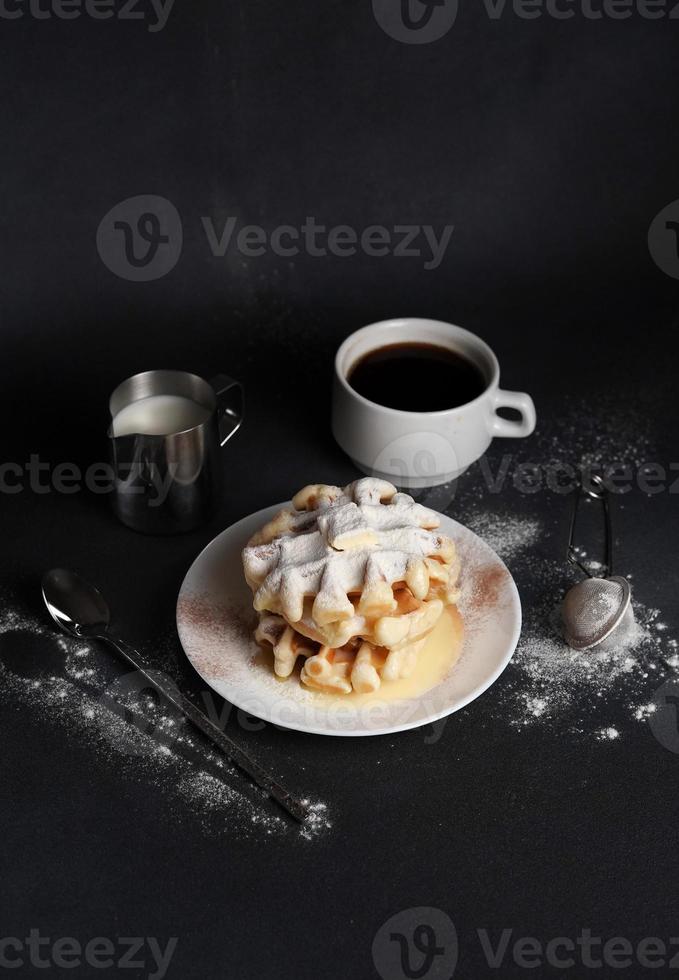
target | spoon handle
x=231, y=750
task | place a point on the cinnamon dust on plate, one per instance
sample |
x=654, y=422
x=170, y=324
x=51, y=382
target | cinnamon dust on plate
x=487, y=585
x=219, y=625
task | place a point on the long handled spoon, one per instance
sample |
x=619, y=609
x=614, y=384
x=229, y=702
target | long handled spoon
x=81, y=610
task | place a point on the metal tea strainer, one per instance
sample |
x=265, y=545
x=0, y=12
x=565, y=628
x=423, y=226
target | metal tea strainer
x=593, y=609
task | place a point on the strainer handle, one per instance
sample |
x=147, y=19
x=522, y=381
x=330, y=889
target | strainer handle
x=595, y=490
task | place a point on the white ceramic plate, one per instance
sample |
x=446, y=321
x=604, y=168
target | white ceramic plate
x=215, y=621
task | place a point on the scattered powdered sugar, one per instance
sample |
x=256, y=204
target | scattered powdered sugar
x=77, y=688
x=611, y=434
x=536, y=706
x=623, y=672
x=549, y=683
x=509, y=536
x=211, y=795
x=317, y=821
x=608, y=734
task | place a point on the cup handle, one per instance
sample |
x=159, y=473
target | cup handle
x=508, y=428
x=229, y=406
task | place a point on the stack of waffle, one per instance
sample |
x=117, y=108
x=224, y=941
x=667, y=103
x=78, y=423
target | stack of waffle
x=351, y=580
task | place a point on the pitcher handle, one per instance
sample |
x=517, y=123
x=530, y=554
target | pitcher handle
x=229, y=406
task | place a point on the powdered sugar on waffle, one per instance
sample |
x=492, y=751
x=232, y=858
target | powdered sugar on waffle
x=367, y=534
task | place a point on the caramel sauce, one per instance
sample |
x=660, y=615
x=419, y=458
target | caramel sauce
x=441, y=651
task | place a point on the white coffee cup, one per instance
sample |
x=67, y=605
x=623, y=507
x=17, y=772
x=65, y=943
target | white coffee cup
x=422, y=449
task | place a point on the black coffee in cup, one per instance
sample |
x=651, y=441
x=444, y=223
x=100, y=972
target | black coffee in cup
x=414, y=377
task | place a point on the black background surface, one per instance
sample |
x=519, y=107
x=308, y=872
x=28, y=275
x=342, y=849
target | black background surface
x=550, y=146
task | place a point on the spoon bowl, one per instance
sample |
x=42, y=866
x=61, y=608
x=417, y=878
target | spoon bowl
x=80, y=609
x=74, y=605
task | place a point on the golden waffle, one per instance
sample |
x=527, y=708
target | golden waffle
x=359, y=665
x=353, y=580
